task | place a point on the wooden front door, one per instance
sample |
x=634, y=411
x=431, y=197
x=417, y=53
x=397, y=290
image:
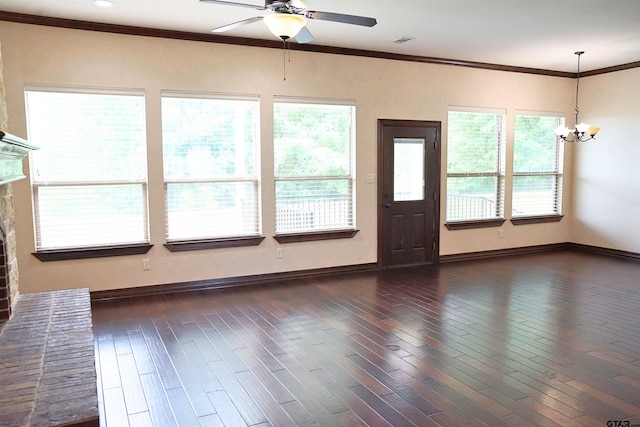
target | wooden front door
x=408, y=192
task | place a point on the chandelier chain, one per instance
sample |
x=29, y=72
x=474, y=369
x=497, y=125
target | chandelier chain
x=577, y=111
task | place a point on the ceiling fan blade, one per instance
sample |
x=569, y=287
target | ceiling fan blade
x=233, y=3
x=237, y=24
x=304, y=36
x=340, y=17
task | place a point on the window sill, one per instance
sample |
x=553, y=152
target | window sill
x=198, y=245
x=321, y=235
x=524, y=220
x=483, y=223
x=96, y=252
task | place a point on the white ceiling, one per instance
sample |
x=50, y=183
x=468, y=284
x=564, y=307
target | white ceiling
x=540, y=34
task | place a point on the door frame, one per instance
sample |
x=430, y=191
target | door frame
x=382, y=124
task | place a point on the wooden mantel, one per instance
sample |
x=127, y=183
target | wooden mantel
x=12, y=150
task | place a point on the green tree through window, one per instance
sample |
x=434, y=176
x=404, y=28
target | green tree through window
x=537, y=166
x=210, y=156
x=313, y=165
x=90, y=176
x=475, y=165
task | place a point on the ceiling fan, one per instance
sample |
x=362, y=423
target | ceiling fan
x=288, y=19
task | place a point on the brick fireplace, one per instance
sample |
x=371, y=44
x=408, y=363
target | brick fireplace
x=5, y=290
x=12, y=151
x=8, y=263
x=48, y=375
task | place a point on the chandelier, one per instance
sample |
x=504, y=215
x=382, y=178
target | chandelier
x=582, y=131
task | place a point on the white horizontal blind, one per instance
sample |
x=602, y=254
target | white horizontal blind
x=210, y=155
x=537, y=165
x=90, y=176
x=475, y=164
x=313, y=153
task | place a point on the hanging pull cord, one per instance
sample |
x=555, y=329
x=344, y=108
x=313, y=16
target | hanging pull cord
x=284, y=56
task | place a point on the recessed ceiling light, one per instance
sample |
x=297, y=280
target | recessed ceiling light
x=103, y=3
x=404, y=39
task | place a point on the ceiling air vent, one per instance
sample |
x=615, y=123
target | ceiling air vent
x=404, y=40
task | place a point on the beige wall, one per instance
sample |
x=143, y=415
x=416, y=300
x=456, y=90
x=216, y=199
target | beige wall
x=606, y=205
x=381, y=88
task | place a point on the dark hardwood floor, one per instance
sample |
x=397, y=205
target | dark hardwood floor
x=550, y=339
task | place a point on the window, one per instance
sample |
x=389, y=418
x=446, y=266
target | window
x=475, y=165
x=537, y=166
x=210, y=167
x=313, y=150
x=90, y=176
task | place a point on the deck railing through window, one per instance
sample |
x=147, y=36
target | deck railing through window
x=469, y=207
x=300, y=214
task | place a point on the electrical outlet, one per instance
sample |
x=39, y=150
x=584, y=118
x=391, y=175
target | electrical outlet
x=500, y=233
x=278, y=253
x=146, y=264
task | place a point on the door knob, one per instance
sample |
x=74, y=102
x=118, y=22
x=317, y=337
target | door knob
x=386, y=205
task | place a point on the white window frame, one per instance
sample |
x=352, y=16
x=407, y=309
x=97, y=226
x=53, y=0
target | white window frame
x=487, y=215
x=209, y=234
x=556, y=172
x=315, y=220
x=110, y=236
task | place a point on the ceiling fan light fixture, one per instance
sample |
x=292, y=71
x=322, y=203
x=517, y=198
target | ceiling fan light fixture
x=301, y=4
x=284, y=25
x=103, y=3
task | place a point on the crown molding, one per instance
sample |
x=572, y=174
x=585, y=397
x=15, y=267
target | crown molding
x=243, y=41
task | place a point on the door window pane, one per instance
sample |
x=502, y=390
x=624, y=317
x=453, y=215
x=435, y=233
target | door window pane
x=408, y=169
